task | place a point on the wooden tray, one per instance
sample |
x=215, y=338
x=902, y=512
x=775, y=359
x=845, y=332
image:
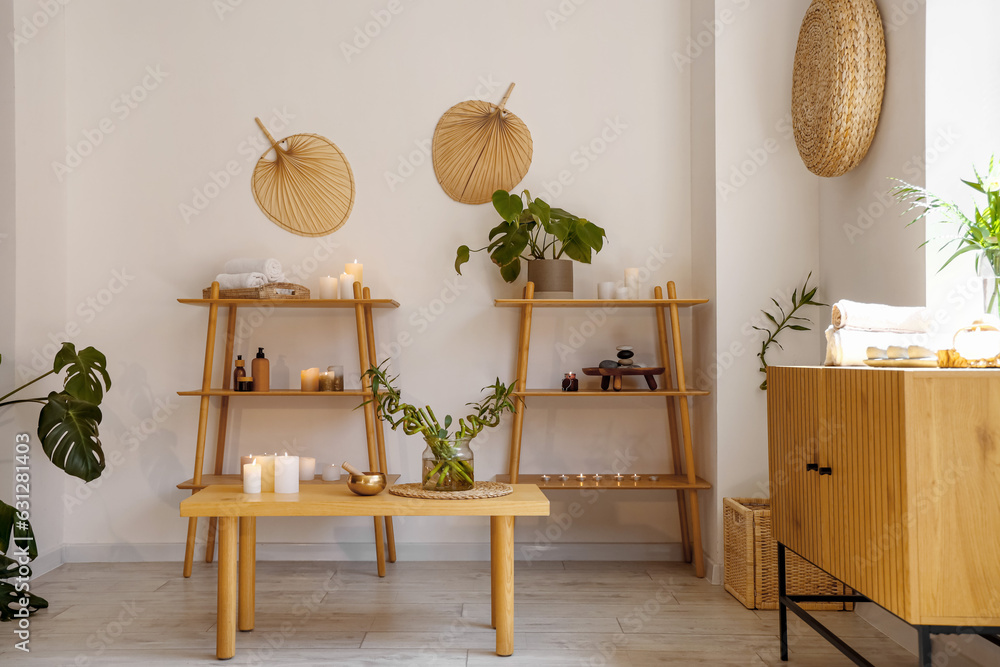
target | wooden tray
x=929, y=362
x=268, y=291
x=614, y=376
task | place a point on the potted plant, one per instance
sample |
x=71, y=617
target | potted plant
x=541, y=235
x=448, y=460
x=68, y=430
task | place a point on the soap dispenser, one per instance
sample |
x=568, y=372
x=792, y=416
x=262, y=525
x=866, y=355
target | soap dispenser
x=261, y=371
x=239, y=372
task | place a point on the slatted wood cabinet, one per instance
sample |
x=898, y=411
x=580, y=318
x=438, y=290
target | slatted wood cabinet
x=889, y=479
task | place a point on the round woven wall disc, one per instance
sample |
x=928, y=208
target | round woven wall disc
x=479, y=148
x=304, y=184
x=837, y=84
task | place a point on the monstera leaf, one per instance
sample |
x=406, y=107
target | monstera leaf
x=67, y=427
x=10, y=597
x=84, y=371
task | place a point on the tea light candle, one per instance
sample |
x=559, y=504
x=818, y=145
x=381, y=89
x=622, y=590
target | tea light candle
x=563, y=477
x=546, y=478
x=606, y=290
x=266, y=473
x=632, y=283
x=286, y=474
x=598, y=477
x=346, y=286
x=307, y=468
x=326, y=381
x=356, y=270
x=328, y=287
x=619, y=477
x=621, y=293
x=581, y=477
x=310, y=379
x=654, y=478
x=331, y=472
x=636, y=477
x=249, y=458
x=251, y=477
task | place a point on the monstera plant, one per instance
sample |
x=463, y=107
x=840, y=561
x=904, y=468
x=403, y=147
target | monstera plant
x=68, y=430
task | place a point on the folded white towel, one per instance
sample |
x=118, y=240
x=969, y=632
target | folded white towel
x=241, y=280
x=876, y=317
x=271, y=268
x=849, y=347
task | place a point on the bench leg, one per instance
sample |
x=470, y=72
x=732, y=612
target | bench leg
x=225, y=633
x=502, y=564
x=248, y=572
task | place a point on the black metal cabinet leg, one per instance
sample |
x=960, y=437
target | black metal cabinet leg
x=782, y=610
x=924, y=640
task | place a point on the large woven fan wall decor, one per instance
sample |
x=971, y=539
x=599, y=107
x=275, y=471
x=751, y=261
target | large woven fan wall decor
x=307, y=187
x=479, y=148
x=837, y=84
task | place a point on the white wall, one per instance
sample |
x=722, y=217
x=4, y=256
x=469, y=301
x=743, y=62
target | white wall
x=129, y=251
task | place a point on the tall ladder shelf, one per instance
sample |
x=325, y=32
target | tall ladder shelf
x=683, y=477
x=363, y=304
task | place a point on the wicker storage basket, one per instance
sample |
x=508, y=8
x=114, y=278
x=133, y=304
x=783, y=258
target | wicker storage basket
x=268, y=291
x=752, y=561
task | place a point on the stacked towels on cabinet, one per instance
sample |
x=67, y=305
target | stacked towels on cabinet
x=246, y=273
x=859, y=326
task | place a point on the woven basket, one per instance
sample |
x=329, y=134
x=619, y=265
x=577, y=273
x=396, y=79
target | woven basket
x=837, y=84
x=751, y=556
x=268, y=291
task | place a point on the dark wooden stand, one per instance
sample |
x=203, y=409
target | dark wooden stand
x=613, y=376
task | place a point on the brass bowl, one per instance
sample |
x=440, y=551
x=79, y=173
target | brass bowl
x=368, y=484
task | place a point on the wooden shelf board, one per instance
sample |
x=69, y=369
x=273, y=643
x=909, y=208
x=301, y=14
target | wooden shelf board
x=294, y=303
x=210, y=480
x=273, y=392
x=639, y=393
x=664, y=481
x=597, y=303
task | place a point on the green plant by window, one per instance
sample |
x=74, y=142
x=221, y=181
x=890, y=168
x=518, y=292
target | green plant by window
x=790, y=320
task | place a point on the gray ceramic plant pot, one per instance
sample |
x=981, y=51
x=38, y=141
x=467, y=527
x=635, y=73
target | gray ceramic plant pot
x=553, y=278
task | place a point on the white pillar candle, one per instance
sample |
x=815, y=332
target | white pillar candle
x=346, y=286
x=331, y=472
x=249, y=458
x=266, y=473
x=632, y=283
x=251, y=478
x=286, y=474
x=356, y=270
x=328, y=287
x=621, y=293
x=310, y=379
x=606, y=290
x=307, y=468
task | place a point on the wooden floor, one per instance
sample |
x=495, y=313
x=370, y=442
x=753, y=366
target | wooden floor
x=323, y=613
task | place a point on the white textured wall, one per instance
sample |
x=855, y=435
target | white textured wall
x=193, y=79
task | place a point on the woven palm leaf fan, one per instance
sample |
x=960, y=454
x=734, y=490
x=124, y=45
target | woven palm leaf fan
x=307, y=187
x=837, y=84
x=479, y=148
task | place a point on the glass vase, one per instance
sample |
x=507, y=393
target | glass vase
x=448, y=465
x=988, y=270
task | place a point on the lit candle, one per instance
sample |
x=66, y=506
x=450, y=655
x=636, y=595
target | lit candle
x=331, y=472
x=346, y=286
x=621, y=293
x=310, y=379
x=636, y=477
x=581, y=477
x=632, y=283
x=546, y=478
x=307, y=468
x=266, y=473
x=597, y=477
x=356, y=270
x=251, y=477
x=326, y=381
x=328, y=287
x=286, y=474
x=249, y=458
x=605, y=290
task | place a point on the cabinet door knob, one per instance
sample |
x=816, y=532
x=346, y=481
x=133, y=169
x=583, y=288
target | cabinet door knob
x=812, y=466
x=826, y=471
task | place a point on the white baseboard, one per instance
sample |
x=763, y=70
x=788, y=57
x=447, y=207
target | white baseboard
x=363, y=551
x=47, y=562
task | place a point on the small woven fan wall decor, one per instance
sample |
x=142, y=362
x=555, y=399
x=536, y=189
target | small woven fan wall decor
x=837, y=84
x=304, y=184
x=479, y=148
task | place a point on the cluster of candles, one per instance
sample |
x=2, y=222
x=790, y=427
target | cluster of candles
x=273, y=473
x=331, y=287
x=597, y=477
x=332, y=379
x=630, y=290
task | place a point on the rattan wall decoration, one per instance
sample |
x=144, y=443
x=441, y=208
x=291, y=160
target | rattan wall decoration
x=307, y=188
x=479, y=148
x=837, y=84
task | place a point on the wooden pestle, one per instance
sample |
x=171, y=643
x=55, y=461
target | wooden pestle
x=351, y=469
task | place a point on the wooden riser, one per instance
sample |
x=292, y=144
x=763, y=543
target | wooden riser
x=664, y=481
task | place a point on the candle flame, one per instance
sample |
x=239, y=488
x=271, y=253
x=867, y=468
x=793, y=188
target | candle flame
x=355, y=260
x=254, y=462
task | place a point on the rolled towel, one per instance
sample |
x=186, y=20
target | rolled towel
x=850, y=347
x=877, y=317
x=271, y=268
x=247, y=280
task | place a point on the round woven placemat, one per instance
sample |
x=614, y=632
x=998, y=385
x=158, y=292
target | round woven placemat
x=837, y=84
x=480, y=490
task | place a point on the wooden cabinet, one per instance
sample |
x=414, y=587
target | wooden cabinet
x=889, y=479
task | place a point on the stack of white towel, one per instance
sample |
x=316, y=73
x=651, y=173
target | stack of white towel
x=249, y=273
x=859, y=326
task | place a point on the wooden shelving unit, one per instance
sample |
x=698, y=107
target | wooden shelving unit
x=362, y=304
x=683, y=477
